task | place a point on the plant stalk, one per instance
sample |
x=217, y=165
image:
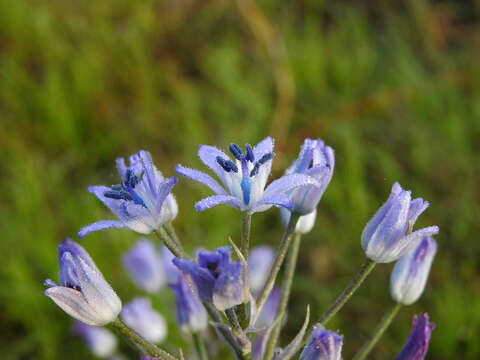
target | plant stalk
x=200, y=346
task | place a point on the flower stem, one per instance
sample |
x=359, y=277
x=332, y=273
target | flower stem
x=287, y=285
x=141, y=343
x=366, y=268
x=173, y=234
x=281, y=253
x=246, y=222
x=200, y=346
x=169, y=243
x=378, y=332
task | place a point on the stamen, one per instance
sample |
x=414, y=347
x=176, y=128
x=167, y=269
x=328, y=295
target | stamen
x=117, y=195
x=223, y=164
x=250, y=157
x=255, y=169
x=311, y=164
x=236, y=151
x=265, y=158
x=117, y=187
x=232, y=165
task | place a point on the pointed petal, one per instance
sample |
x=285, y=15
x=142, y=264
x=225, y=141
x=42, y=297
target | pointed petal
x=263, y=147
x=278, y=200
x=208, y=154
x=201, y=177
x=121, y=167
x=293, y=347
x=164, y=190
x=100, y=225
x=115, y=205
x=75, y=249
x=289, y=182
x=203, y=281
x=215, y=200
x=73, y=303
x=417, y=207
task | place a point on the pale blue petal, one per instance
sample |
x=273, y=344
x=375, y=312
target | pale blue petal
x=100, y=225
x=201, y=177
x=164, y=190
x=263, y=147
x=208, y=154
x=215, y=200
x=278, y=200
x=288, y=182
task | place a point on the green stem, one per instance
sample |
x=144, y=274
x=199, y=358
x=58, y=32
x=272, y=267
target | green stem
x=246, y=222
x=287, y=285
x=200, y=346
x=366, y=268
x=140, y=342
x=378, y=332
x=169, y=243
x=281, y=253
x=173, y=234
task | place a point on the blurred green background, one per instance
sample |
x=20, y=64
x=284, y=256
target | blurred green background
x=393, y=87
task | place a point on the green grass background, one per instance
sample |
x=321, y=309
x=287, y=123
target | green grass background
x=393, y=87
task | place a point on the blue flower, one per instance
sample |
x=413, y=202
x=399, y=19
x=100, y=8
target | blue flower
x=244, y=178
x=144, y=266
x=191, y=314
x=100, y=341
x=142, y=201
x=141, y=317
x=217, y=279
x=83, y=292
x=386, y=237
x=323, y=345
x=410, y=273
x=317, y=161
x=416, y=346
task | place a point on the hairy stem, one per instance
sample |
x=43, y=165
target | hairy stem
x=286, y=287
x=169, y=243
x=246, y=222
x=378, y=332
x=200, y=346
x=280, y=256
x=141, y=343
x=173, y=234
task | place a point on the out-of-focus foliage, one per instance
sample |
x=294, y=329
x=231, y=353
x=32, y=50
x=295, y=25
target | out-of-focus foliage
x=394, y=89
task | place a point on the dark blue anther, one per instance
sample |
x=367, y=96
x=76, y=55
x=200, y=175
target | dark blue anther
x=223, y=164
x=311, y=164
x=255, y=169
x=231, y=165
x=250, y=157
x=236, y=151
x=265, y=158
x=117, y=195
x=117, y=187
x=128, y=175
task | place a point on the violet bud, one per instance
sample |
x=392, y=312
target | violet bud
x=387, y=235
x=83, y=292
x=259, y=264
x=139, y=315
x=416, y=346
x=100, y=341
x=323, y=345
x=410, y=273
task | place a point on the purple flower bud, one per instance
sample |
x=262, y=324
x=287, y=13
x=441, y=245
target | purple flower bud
x=144, y=266
x=141, y=317
x=142, y=201
x=317, y=161
x=169, y=267
x=244, y=178
x=386, y=237
x=83, y=292
x=259, y=263
x=191, y=314
x=304, y=224
x=416, y=346
x=323, y=345
x=410, y=273
x=217, y=279
x=100, y=341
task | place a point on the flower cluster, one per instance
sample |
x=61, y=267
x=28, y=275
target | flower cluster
x=234, y=288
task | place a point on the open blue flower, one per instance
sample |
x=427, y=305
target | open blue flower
x=386, y=237
x=244, y=178
x=217, y=279
x=416, y=346
x=83, y=292
x=142, y=201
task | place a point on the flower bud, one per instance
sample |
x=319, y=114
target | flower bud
x=141, y=317
x=416, y=346
x=100, y=341
x=144, y=266
x=323, y=345
x=410, y=273
x=259, y=263
x=388, y=236
x=83, y=292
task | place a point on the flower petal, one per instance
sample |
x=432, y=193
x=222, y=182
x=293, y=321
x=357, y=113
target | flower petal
x=288, y=182
x=208, y=154
x=164, y=190
x=202, y=178
x=279, y=200
x=73, y=303
x=215, y=200
x=263, y=147
x=100, y=225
